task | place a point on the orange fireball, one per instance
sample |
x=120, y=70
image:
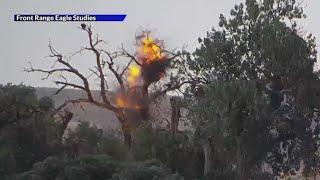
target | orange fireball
x=120, y=102
x=133, y=74
x=149, y=50
x=151, y=64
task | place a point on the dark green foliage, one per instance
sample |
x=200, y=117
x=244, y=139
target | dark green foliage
x=28, y=133
x=145, y=171
x=141, y=171
x=88, y=139
x=97, y=167
x=262, y=44
x=177, y=152
x=46, y=104
x=223, y=174
x=76, y=173
x=296, y=135
x=113, y=147
x=256, y=43
x=100, y=167
x=16, y=103
x=144, y=139
x=234, y=117
x=253, y=100
x=84, y=138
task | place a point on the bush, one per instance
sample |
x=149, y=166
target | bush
x=84, y=139
x=100, y=166
x=88, y=139
x=144, y=138
x=147, y=170
x=175, y=151
x=28, y=131
x=48, y=169
x=97, y=167
x=113, y=147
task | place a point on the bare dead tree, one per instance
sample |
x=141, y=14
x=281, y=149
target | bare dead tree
x=104, y=61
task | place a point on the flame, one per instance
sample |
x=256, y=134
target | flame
x=120, y=102
x=137, y=107
x=133, y=74
x=149, y=49
x=123, y=101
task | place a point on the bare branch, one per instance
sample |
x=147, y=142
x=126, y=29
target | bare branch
x=48, y=72
x=127, y=54
x=126, y=68
x=60, y=89
x=115, y=73
x=170, y=88
x=59, y=108
x=100, y=66
x=70, y=84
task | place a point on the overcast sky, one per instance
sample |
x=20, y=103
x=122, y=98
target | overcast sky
x=178, y=22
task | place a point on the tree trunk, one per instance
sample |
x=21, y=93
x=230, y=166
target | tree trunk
x=66, y=117
x=144, y=111
x=175, y=116
x=127, y=138
x=241, y=171
x=125, y=127
x=207, y=157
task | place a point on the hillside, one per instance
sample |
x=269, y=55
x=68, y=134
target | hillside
x=102, y=118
